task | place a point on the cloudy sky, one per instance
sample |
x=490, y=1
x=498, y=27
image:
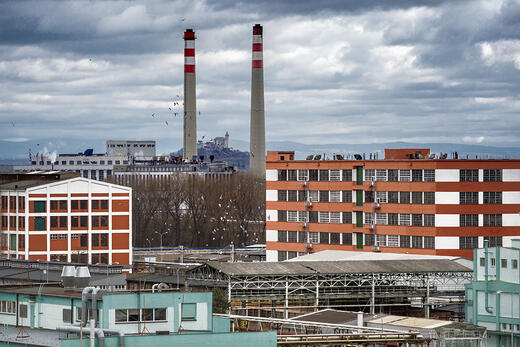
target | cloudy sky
x=335, y=71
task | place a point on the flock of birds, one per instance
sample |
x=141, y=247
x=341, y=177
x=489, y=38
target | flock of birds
x=174, y=112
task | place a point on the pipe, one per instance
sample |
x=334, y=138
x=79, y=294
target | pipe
x=486, y=276
x=84, y=308
x=95, y=306
x=160, y=287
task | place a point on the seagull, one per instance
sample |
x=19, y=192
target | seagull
x=153, y=114
x=166, y=122
x=175, y=114
x=199, y=113
x=12, y=123
x=182, y=19
x=170, y=108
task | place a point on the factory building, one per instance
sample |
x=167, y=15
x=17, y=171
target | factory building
x=63, y=217
x=410, y=202
x=493, y=299
x=96, y=166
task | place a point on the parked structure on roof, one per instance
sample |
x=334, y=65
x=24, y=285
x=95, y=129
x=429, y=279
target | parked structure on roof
x=406, y=204
x=56, y=217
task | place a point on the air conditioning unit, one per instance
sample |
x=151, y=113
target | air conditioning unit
x=372, y=183
x=377, y=205
x=308, y=203
x=372, y=227
x=308, y=245
x=304, y=183
x=304, y=225
x=376, y=249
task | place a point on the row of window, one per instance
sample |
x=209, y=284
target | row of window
x=61, y=205
x=7, y=306
x=471, y=175
x=140, y=315
x=12, y=202
x=471, y=220
x=78, y=162
x=503, y=263
x=471, y=198
x=404, y=219
x=470, y=242
x=391, y=197
x=13, y=222
x=75, y=222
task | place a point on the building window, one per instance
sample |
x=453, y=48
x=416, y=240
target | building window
x=382, y=197
x=381, y=175
x=417, y=220
x=393, y=197
x=347, y=175
x=493, y=175
x=39, y=206
x=347, y=238
x=404, y=197
x=404, y=241
x=39, y=223
x=468, y=220
x=429, y=197
x=282, y=195
x=370, y=175
x=347, y=217
x=54, y=237
x=347, y=195
x=393, y=240
x=83, y=204
x=369, y=240
x=381, y=219
x=429, y=242
x=292, y=195
x=83, y=221
x=468, y=198
x=323, y=217
x=8, y=307
x=492, y=197
x=324, y=196
x=417, y=198
x=324, y=238
x=514, y=263
x=54, y=221
x=83, y=242
x=404, y=176
x=468, y=175
x=335, y=175
x=381, y=240
x=393, y=219
x=393, y=175
x=334, y=238
x=74, y=236
x=429, y=176
x=482, y=261
x=314, y=195
x=282, y=175
x=492, y=220
x=335, y=196
x=429, y=220
x=314, y=237
x=494, y=241
x=145, y=314
x=313, y=216
x=313, y=175
x=404, y=219
x=369, y=218
x=468, y=242
x=303, y=175
x=369, y=196
x=292, y=175
x=417, y=176
x=189, y=311
x=54, y=205
x=324, y=175
x=417, y=242
x=292, y=236
x=503, y=263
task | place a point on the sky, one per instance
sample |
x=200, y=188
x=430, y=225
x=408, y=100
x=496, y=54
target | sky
x=335, y=71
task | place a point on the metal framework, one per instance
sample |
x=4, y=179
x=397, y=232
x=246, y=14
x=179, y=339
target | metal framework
x=321, y=290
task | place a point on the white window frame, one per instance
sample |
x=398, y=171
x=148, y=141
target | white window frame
x=381, y=240
x=382, y=197
x=392, y=241
x=303, y=175
x=381, y=218
x=314, y=237
x=335, y=217
x=405, y=175
x=335, y=196
x=405, y=219
x=368, y=217
x=323, y=217
x=370, y=175
x=314, y=195
x=381, y=175
x=292, y=216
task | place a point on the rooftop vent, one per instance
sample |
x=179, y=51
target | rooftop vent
x=67, y=277
x=82, y=277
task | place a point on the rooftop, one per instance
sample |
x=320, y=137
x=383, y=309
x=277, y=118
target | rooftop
x=343, y=266
x=21, y=181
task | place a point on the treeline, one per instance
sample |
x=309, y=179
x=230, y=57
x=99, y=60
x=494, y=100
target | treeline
x=192, y=211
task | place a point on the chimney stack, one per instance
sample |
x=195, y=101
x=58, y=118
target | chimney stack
x=257, y=130
x=189, y=148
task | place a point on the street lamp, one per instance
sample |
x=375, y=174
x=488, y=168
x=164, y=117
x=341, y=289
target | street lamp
x=161, y=235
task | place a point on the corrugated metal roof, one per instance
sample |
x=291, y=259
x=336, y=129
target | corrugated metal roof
x=334, y=267
x=335, y=255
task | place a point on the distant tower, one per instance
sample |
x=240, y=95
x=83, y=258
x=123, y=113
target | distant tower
x=190, y=101
x=257, y=130
x=226, y=140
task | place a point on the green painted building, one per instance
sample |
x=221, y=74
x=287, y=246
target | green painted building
x=39, y=316
x=493, y=297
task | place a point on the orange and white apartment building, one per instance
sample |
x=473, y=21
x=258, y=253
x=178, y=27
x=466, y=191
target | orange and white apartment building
x=400, y=205
x=63, y=217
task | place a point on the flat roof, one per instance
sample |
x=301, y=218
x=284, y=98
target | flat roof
x=335, y=255
x=335, y=267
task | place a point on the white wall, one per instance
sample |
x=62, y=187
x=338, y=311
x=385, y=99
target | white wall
x=271, y=235
x=447, y=175
x=446, y=242
x=447, y=220
x=447, y=197
x=511, y=198
x=271, y=255
x=511, y=219
x=271, y=195
x=201, y=322
x=511, y=175
x=271, y=175
x=271, y=215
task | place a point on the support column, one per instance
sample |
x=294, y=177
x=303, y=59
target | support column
x=286, y=302
x=373, y=298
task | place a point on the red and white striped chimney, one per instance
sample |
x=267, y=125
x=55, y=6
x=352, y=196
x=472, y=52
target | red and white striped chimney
x=190, y=102
x=257, y=130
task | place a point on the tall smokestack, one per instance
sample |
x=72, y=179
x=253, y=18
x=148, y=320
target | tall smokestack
x=257, y=131
x=190, y=102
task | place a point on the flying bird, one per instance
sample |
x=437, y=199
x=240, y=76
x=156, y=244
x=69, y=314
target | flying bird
x=166, y=122
x=170, y=108
x=153, y=114
x=12, y=123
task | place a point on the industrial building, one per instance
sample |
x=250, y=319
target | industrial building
x=410, y=202
x=492, y=298
x=96, y=166
x=62, y=217
x=286, y=289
